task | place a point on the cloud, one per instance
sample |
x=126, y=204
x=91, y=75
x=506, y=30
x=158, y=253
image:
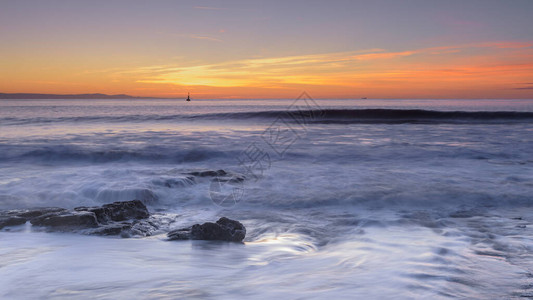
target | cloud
x=491, y=65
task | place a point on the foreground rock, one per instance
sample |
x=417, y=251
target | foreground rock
x=11, y=221
x=125, y=218
x=223, y=230
x=118, y=211
x=66, y=219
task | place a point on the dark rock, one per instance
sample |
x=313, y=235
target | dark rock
x=119, y=218
x=118, y=211
x=71, y=220
x=11, y=221
x=143, y=228
x=35, y=212
x=20, y=216
x=208, y=173
x=223, y=230
x=112, y=229
x=127, y=229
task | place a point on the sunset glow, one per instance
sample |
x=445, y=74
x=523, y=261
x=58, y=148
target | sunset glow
x=215, y=53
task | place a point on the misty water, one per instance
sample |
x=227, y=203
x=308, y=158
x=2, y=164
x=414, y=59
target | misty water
x=402, y=199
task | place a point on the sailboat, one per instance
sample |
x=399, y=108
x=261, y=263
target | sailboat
x=188, y=97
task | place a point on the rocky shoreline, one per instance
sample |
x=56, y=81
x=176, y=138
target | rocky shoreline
x=125, y=219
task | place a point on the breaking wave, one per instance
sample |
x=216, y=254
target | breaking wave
x=312, y=116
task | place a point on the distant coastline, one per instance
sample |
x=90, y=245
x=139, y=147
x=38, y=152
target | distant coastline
x=15, y=96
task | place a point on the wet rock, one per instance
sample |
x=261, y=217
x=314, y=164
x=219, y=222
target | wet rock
x=126, y=229
x=20, y=216
x=118, y=211
x=125, y=218
x=142, y=228
x=208, y=173
x=220, y=175
x=111, y=229
x=223, y=230
x=35, y=212
x=69, y=219
x=11, y=221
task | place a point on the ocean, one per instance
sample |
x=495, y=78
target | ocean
x=341, y=199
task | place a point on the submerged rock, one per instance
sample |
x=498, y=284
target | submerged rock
x=220, y=175
x=112, y=229
x=223, y=230
x=208, y=173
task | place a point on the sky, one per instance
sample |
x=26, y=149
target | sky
x=269, y=49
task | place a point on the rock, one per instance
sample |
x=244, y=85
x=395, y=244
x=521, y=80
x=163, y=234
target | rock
x=71, y=220
x=20, y=216
x=220, y=175
x=208, y=173
x=35, y=212
x=118, y=211
x=223, y=230
x=118, y=218
x=112, y=229
x=11, y=221
x=143, y=228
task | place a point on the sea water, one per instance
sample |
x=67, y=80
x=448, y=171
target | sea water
x=401, y=199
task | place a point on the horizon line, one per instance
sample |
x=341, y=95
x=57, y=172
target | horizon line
x=123, y=96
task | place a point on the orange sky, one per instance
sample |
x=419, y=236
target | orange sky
x=458, y=69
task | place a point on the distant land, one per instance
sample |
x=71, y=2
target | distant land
x=67, y=96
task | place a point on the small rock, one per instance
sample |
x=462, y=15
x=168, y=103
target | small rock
x=112, y=229
x=35, y=212
x=208, y=173
x=223, y=230
x=118, y=211
x=11, y=221
x=71, y=220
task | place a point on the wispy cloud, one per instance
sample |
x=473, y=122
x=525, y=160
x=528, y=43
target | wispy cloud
x=483, y=67
x=528, y=86
x=334, y=69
